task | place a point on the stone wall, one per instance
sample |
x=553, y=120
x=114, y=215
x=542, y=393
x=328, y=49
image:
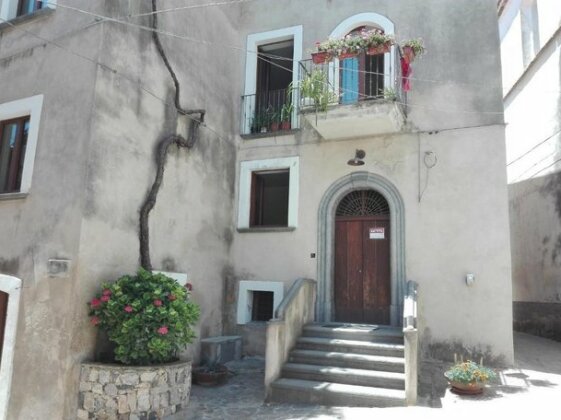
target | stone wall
x=133, y=392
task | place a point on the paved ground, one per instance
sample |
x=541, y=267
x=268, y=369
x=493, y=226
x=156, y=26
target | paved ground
x=532, y=388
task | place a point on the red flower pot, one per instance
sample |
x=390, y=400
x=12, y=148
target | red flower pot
x=275, y=126
x=320, y=57
x=380, y=49
x=344, y=55
x=285, y=125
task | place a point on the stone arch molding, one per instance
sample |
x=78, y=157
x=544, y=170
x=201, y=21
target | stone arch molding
x=11, y=286
x=365, y=19
x=326, y=240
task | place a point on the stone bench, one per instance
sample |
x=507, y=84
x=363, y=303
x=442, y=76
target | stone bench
x=221, y=349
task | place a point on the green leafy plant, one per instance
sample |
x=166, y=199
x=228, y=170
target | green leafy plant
x=315, y=85
x=389, y=94
x=416, y=45
x=469, y=372
x=286, y=111
x=147, y=316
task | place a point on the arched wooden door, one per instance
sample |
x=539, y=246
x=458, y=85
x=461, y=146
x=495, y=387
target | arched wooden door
x=362, y=283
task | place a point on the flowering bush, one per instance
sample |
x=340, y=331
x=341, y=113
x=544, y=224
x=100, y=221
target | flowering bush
x=148, y=316
x=469, y=372
x=355, y=42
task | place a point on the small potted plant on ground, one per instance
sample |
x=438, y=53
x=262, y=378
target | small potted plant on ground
x=210, y=374
x=469, y=377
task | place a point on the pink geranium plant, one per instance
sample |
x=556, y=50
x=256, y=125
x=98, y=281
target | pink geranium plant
x=149, y=317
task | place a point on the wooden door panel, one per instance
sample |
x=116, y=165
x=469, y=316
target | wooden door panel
x=340, y=289
x=362, y=291
x=376, y=276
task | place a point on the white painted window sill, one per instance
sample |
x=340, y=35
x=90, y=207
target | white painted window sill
x=266, y=229
x=13, y=196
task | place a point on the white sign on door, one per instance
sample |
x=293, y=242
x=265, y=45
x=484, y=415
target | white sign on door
x=377, y=233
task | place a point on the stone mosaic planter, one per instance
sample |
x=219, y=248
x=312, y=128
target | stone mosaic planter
x=110, y=391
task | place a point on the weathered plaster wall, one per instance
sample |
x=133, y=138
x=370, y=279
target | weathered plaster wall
x=461, y=225
x=84, y=199
x=46, y=224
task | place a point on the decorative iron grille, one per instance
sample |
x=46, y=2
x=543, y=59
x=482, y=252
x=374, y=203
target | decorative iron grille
x=363, y=203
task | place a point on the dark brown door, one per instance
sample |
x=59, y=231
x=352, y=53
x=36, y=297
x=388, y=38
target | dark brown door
x=362, y=270
x=3, y=308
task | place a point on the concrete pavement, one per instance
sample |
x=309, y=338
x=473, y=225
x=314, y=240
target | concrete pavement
x=531, y=388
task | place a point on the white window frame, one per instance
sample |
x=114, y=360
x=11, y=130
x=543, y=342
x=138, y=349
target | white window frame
x=11, y=286
x=245, y=297
x=9, y=8
x=31, y=106
x=353, y=22
x=244, y=202
x=254, y=41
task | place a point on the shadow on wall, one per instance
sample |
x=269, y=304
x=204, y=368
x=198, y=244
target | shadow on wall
x=538, y=318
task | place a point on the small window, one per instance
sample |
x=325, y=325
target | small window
x=13, y=143
x=262, y=308
x=269, y=198
x=26, y=7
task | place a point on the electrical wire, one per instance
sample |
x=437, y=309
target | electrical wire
x=534, y=147
x=116, y=72
x=194, y=6
x=220, y=44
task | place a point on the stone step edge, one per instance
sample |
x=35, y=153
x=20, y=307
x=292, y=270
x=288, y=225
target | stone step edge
x=350, y=343
x=337, y=370
x=341, y=389
x=347, y=356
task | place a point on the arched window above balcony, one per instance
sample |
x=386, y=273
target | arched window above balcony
x=363, y=77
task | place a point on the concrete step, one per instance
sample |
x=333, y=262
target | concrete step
x=355, y=332
x=328, y=393
x=350, y=346
x=348, y=360
x=341, y=375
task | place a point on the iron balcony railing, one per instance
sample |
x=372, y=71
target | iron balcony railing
x=351, y=80
x=343, y=82
x=269, y=111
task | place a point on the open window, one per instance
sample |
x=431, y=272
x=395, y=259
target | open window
x=268, y=194
x=13, y=142
x=361, y=77
x=11, y=9
x=269, y=198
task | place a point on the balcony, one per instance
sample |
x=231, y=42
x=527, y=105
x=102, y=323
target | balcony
x=354, y=97
x=268, y=113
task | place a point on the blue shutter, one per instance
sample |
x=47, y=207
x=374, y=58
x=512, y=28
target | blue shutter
x=349, y=80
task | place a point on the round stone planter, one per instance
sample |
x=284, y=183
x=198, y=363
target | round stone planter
x=111, y=391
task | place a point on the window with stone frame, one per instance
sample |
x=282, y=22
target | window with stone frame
x=13, y=144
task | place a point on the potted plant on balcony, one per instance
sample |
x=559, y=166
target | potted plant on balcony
x=148, y=317
x=275, y=120
x=315, y=89
x=412, y=49
x=286, y=115
x=469, y=377
x=376, y=42
x=326, y=50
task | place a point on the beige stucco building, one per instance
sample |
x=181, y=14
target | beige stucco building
x=252, y=207
x=530, y=39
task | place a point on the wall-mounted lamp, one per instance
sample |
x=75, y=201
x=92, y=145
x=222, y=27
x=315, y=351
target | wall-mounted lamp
x=357, y=160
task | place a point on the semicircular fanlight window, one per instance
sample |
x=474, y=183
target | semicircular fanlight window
x=363, y=203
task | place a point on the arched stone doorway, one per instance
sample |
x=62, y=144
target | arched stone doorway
x=356, y=181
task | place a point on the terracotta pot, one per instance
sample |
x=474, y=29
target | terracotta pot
x=203, y=376
x=471, y=388
x=320, y=57
x=275, y=126
x=285, y=125
x=409, y=54
x=380, y=49
x=344, y=55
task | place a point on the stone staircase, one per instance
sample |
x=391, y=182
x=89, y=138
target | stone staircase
x=344, y=365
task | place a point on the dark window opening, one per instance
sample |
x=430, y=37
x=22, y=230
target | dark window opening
x=274, y=75
x=3, y=310
x=13, y=142
x=269, y=198
x=262, y=309
x=26, y=7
